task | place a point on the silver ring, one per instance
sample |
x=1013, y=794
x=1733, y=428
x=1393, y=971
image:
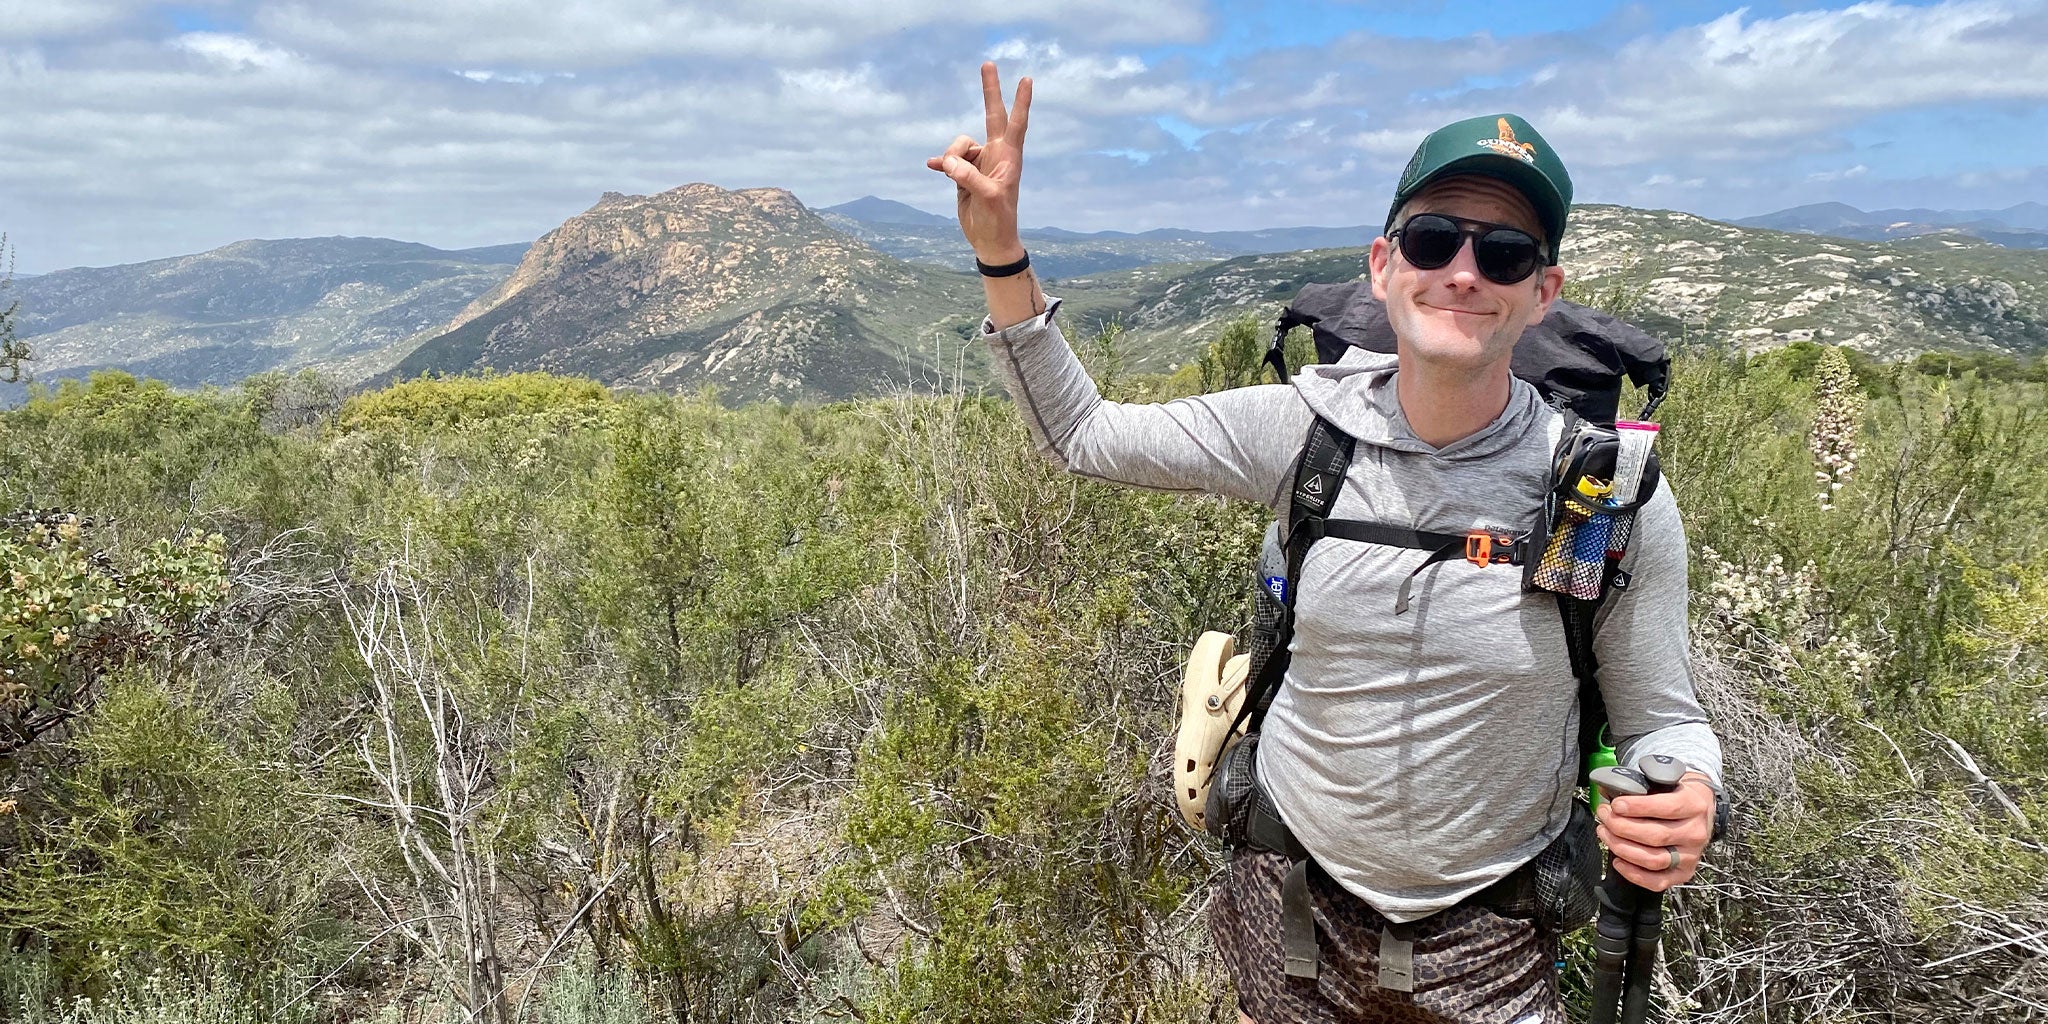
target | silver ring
x=1675, y=858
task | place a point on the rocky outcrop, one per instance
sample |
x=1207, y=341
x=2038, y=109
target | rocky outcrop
x=748, y=290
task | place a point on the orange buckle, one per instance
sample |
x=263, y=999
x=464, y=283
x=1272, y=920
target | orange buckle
x=1485, y=547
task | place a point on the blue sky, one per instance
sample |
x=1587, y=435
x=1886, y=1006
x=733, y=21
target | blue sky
x=138, y=130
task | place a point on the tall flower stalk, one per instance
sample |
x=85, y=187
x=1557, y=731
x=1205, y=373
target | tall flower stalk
x=1838, y=412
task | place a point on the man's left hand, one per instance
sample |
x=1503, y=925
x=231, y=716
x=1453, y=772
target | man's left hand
x=1643, y=831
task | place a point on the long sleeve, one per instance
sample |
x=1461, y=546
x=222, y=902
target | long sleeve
x=1643, y=650
x=1239, y=443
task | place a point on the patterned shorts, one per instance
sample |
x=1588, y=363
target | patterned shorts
x=1472, y=966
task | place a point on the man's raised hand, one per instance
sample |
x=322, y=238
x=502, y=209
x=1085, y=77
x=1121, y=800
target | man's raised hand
x=985, y=174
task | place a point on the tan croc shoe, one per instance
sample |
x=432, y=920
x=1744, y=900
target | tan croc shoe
x=1211, y=691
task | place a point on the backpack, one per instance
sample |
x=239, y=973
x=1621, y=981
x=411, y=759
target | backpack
x=1604, y=469
x=1577, y=356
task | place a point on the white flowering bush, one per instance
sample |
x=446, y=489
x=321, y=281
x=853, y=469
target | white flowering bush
x=155, y=998
x=1763, y=598
x=1783, y=611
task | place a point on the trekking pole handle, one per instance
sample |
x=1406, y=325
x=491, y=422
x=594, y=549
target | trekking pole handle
x=1653, y=773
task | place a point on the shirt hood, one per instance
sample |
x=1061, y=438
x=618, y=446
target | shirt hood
x=1356, y=394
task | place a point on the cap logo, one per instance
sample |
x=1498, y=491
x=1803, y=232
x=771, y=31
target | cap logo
x=1506, y=144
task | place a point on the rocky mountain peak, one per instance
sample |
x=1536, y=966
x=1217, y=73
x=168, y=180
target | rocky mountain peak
x=672, y=288
x=679, y=241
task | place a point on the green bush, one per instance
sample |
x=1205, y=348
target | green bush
x=165, y=843
x=438, y=402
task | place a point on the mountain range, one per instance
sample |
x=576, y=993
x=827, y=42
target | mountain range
x=906, y=232
x=338, y=304
x=754, y=293
x=2022, y=226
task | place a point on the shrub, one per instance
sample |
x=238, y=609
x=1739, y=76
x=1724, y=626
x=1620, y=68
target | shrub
x=438, y=402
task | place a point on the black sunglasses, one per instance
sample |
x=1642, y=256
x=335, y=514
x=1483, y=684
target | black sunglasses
x=1505, y=255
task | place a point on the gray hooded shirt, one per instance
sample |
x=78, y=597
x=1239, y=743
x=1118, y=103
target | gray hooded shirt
x=1418, y=757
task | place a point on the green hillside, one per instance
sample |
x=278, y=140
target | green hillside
x=338, y=304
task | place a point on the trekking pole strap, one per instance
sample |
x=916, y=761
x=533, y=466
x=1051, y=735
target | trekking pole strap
x=1276, y=356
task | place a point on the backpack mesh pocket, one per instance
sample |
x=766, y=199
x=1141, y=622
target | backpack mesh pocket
x=1568, y=874
x=1575, y=555
x=1563, y=893
x=1233, y=792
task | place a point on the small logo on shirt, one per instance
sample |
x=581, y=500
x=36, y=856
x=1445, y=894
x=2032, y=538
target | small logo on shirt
x=1277, y=586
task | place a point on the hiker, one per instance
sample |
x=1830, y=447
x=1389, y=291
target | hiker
x=1418, y=758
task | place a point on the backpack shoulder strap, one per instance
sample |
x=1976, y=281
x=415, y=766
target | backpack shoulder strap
x=1578, y=618
x=1318, y=476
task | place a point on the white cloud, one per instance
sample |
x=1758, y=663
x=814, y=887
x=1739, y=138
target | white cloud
x=2002, y=176
x=1025, y=49
x=514, y=78
x=1844, y=174
x=464, y=122
x=54, y=19
x=590, y=34
x=1726, y=88
x=234, y=51
x=854, y=93
x=1088, y=84
x=531, y=34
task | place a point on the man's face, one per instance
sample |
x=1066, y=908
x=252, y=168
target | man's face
x=1453, y=316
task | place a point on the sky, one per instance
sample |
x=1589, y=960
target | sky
x=132, y=131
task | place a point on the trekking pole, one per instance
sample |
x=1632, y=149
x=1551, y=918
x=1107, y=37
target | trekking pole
x=1631, y=920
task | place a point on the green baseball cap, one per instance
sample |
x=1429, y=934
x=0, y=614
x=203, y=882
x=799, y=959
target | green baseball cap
x=1499, y=146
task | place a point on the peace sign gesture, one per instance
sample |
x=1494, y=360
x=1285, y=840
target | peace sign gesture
x=986, y=173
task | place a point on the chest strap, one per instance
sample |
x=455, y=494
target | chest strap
x=1480, y=547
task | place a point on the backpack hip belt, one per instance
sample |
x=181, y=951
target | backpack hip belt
x=1556, y=888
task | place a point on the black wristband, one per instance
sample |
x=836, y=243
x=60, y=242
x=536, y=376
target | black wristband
x=1006, y=270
